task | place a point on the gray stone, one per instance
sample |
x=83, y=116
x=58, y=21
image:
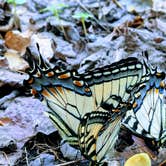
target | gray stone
x=70, y=152
x=44, y=160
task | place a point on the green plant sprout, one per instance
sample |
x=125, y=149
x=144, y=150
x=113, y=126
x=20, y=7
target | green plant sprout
x=15, y=3
x=56, y=10
x=82, y=17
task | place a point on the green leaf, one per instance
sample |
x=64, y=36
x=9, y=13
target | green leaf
x=54, y=9
x=82, y=16
x=61, y=6
x=18, y=2
x=10, y=1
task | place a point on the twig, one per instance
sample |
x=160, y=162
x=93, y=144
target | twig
x=89, y=12
x=12, y=95
x=117, y=3
x=7, y=159
x=26, y=157
x=70, y=162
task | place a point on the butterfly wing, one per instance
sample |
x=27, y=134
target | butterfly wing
x=114, y=80
x=71, y=96
x=148, y=117
x=97, y=135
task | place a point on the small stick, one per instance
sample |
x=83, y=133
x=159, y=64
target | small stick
x=89, y=12
x=70, y=162
x=12, y=95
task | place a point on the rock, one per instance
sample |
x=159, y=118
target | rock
x=70, y=152
x=7, y=144
x=44, y=159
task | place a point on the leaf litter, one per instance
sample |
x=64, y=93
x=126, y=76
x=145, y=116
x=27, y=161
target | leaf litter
x=79, y=35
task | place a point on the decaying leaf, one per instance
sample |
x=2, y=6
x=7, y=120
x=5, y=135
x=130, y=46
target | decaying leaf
x=17, y=41
x=45, y=45
x=5, y=120
x=137, y=22
x=158, y=39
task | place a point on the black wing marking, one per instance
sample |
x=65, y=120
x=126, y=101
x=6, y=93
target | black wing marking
x=97, y=135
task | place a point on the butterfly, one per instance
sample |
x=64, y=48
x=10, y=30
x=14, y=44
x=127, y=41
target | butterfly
x=86, y=108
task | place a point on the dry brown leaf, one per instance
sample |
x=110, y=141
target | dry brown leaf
x=136, y=23
x=5, y=120
x=158, y=39
x=17, y=41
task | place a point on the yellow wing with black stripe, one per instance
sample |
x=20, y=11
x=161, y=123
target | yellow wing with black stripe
x=97, y=135
x=148, y=116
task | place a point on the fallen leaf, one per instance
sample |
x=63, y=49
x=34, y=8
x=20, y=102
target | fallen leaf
x=15, y=61
x=17, y=41
x=158, y=40
x=5, y=120
x=137, y=22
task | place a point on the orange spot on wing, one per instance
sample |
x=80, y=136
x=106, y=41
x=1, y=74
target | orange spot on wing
x=50, y=74
x=33, y=92
x=135, y=105
x=60, y=89
x=87, y=90
x=30, y=81
x=116, y=110
x=45, y=93
x=64, y=76
x=53, y=91
x=78, y=83
x=38, y=74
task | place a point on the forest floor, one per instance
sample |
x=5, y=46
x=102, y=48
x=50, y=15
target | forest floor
x=79, y=35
